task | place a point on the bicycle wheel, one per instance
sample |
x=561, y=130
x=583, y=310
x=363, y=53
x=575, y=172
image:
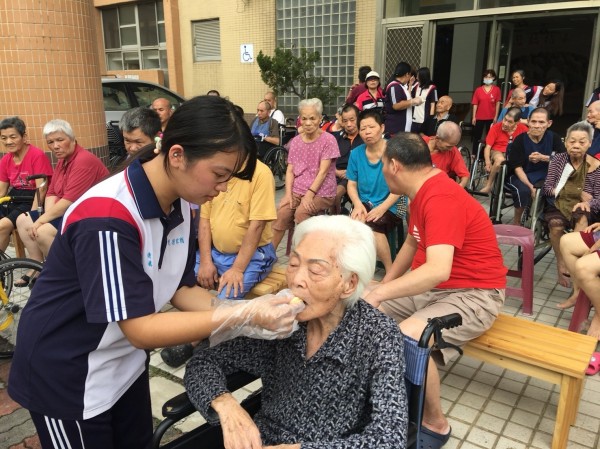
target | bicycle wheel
x=13, y=299
x=276, y=160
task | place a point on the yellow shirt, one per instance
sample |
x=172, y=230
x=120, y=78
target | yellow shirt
x=230, y=213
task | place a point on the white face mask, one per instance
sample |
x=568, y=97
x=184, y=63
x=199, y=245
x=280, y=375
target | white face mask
x=487, y=81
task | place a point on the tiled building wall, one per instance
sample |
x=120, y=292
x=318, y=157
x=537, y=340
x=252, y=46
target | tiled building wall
x=49, y=68
x=241, y=22
x=366, y=26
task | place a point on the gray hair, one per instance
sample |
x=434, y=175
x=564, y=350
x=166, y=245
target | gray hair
x=311, y=103
x=58, y=126
x=517, y=91
x=146, y=119
x=356, y=247
x=581, y=126
x=447, y=130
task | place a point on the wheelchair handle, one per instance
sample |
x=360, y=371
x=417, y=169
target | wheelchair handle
x=434, y=328
x=39, y=176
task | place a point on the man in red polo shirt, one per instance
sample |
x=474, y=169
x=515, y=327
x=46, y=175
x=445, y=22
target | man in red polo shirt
x=445, y=154
x=500, y=136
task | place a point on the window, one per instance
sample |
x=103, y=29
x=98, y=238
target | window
x=134, y=37
x=207, y=40
x=325, y=25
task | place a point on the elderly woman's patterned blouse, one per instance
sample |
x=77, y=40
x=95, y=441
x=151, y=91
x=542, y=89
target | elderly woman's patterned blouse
x=349, y=394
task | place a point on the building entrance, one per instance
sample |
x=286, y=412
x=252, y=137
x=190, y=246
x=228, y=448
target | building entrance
x=546, y=48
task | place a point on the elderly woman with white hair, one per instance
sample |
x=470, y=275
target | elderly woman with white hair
x=338, y=382
x=310, y=184
x=77, y=170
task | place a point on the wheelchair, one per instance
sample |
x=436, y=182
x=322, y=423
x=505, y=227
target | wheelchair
x=532, y=218
x=275, y=157
x=416, y=355
x=478, y=173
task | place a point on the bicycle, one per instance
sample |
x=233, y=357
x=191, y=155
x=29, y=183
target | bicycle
x=13, y=299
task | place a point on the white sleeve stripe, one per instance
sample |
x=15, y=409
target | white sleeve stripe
x=50, y=432
x=80, y=434
x=64, y=434
x=120, y=283
x=104, y=279
x=111, y=277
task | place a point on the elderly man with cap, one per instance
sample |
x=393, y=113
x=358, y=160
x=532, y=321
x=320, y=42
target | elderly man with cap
x=372, y=98
x=442, y=114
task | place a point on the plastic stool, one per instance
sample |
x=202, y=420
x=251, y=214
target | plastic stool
x=581, y=312
x=523, y=237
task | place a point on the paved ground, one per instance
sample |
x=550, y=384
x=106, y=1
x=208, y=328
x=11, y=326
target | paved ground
x=488, y=407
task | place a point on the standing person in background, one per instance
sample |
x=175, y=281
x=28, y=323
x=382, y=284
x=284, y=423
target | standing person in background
x=359, y=87
x=164, y=109
x=486, y=105
x=532, y=93
x=552, y=97
x=275, y=113
x=399, y=102
x=372, y=98
x=426, y=90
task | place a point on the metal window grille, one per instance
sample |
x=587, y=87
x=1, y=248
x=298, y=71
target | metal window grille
x=403, y=44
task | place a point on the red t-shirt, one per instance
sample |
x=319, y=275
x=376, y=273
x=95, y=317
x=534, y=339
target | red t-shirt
x=73, y=176
x=450, y=161
x=499, y=140
x=443, y=213
x=35, y=162
x=486, y=102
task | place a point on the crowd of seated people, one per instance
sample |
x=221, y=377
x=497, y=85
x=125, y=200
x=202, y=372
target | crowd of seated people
x=352, y=158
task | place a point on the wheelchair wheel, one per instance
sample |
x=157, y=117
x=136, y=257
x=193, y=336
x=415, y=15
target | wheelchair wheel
x=276, y=160
x=13, y=299
x=466, y=155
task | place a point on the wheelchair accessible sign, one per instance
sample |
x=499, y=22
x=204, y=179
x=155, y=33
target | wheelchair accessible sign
x=247, y=53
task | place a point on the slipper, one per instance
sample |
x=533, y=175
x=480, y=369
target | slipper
x=23, y=282
x=594, y=365
x=428, y=439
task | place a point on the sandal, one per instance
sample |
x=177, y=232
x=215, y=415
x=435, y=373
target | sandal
x=594, y=365
x=428, y=439
x=23, y=281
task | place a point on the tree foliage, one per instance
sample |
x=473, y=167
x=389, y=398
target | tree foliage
x=286, y=72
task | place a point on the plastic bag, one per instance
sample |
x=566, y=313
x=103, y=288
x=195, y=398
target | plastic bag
x=266, y=317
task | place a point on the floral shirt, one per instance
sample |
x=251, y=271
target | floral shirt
x=349, y=394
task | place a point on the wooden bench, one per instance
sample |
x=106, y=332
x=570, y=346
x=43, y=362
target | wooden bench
x=543, y=352
x=274, y=282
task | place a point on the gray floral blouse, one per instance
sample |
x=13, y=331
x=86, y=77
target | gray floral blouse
x=349, y=394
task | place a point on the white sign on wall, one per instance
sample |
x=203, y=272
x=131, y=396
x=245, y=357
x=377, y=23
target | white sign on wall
x=247, y=53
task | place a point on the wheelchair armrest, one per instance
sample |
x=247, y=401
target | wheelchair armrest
x=178, y=407
x=434, y=327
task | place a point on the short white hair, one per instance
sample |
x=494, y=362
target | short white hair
x=356, y=247
x=56, y=126
x=311, y=103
